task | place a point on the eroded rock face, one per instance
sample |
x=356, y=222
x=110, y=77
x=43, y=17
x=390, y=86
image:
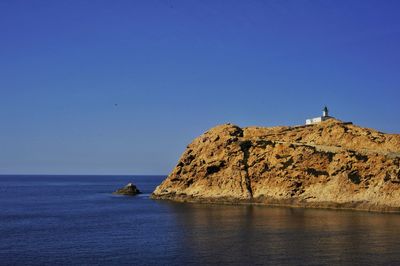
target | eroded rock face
x=331, y=164
x=129, y=190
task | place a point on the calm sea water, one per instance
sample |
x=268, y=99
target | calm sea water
x=49, y=220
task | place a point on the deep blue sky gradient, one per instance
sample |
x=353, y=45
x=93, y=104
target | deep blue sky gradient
x=177, y=68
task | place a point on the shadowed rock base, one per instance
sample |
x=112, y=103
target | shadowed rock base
x=292, y=203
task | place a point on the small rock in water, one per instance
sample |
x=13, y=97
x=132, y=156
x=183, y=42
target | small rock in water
x=130, y=189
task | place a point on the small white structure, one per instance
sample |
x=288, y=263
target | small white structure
x=325, y=116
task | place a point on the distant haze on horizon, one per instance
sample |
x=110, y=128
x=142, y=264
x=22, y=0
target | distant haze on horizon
x=121, y=87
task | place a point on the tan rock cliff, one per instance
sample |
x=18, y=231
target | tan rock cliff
x=327, y=165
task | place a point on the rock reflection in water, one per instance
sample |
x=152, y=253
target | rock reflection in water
x=220, y=234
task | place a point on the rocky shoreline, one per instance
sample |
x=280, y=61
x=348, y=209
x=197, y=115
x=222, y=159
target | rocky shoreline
x=290, y=203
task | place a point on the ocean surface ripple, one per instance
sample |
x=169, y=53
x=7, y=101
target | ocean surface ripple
x=49, y=220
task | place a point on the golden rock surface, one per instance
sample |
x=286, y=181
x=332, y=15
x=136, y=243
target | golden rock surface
x=327, y=165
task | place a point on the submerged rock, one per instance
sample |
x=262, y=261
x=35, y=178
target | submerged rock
x=130, y=190
x=327, y=165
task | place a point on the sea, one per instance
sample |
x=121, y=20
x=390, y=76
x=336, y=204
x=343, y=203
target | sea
x=76, y=220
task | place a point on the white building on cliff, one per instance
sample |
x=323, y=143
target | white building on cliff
x=325, y=116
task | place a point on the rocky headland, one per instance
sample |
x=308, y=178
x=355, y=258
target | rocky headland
x=326, y=165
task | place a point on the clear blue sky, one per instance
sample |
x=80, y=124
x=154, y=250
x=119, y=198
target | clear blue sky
x=177, y=68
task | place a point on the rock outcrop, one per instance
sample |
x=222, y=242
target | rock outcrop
x=327, y=165
x=129, y=190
